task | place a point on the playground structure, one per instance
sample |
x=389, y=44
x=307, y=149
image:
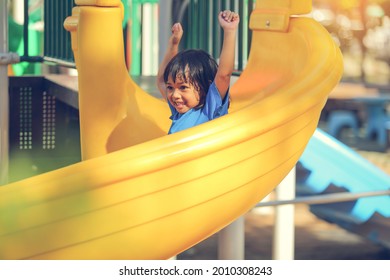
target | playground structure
x=143, y=179
x=140, y=175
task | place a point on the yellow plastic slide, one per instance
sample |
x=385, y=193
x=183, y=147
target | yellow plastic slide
x=142, y=194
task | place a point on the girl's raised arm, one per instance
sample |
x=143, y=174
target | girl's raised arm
x=229, y=22
x=172, y=50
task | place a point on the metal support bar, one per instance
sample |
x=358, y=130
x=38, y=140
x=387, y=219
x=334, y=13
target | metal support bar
x=31, y=59
x=164, y=25
x=9, y=58
x=4, y=97
x=59, y=62
x=325, y=198
x=25, y=29
x=231, y=241
x=13, y=58
x=284, y=228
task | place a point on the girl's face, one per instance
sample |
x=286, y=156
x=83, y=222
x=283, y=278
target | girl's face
x=181, y=94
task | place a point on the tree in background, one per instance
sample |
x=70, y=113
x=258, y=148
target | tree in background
x=360, y=22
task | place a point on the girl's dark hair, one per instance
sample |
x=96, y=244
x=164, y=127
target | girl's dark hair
x=196, y=67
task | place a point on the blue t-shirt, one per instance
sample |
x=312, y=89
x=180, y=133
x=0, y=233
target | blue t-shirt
x=213, y=108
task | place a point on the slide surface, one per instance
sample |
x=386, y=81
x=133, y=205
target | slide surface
x=334, y=167
x=142, y=194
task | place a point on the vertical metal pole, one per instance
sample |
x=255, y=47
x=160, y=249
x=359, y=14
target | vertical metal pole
x=164, y=25
x=216, y=32
x=250, y=10
x=18, y=11
x=283, y=241
x=4, y=97
x=25, y=29
x=231, y=241
x=135, y=38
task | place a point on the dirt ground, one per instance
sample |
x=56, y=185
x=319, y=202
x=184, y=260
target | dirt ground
x=315, y=239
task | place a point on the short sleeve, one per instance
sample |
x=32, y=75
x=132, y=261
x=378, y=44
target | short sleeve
x=214, y=106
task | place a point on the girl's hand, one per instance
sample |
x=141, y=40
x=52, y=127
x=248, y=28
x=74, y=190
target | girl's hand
x=177, y=33
x=228, y=20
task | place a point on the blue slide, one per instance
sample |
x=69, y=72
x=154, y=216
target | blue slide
x=330, y=167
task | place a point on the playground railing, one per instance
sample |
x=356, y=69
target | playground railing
x=149, y=18
x=197, y=16
x=201, y=24
x=57, y=44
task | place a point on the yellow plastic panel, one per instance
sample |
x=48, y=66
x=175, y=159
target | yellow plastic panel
x=108, y=97
x=269, y=20
x=99, y=3
x=296, y=7
x=142, y=194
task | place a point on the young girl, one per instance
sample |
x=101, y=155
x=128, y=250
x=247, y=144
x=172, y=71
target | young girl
x=197, y=89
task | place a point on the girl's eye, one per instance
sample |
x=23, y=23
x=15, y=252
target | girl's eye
x=182, y=88
x=169, y=88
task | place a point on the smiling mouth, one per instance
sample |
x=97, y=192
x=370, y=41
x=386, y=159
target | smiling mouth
x=178, y=104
